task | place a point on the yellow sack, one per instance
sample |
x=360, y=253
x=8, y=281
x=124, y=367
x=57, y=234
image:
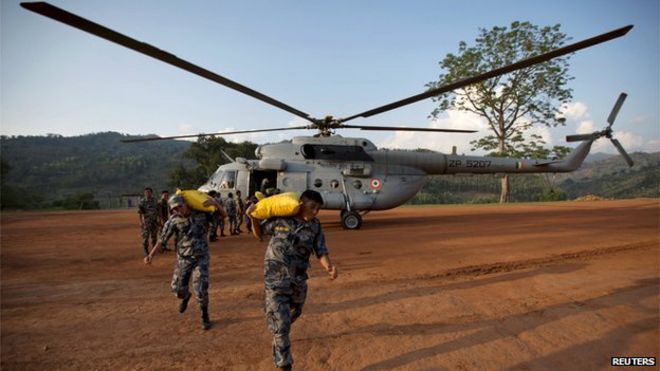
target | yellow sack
x=281, y=205
x=195, y=199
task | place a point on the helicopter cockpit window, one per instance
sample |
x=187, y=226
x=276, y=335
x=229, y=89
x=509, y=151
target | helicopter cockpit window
x=227, y=179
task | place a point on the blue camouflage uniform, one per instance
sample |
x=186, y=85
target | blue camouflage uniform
x=230, y=208
x=285, y=276
x=148, y=207
x=192, y=254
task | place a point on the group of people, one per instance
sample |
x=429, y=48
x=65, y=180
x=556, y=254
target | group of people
x=294, y=239
x=234, y=212
x=153, y=214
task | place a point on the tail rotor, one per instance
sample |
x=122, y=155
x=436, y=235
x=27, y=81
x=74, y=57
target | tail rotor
x=607, y=132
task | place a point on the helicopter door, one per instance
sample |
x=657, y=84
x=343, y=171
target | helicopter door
x=258, y=180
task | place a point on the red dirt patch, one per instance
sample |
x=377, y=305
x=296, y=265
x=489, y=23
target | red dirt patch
x=555, y=286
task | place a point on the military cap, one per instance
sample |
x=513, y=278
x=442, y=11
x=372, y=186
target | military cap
x=175, y=201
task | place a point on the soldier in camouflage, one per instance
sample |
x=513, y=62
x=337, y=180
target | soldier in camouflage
x=230, y=208
x=240, y=211
x=163, y=209
x=148, y=213
x=213, y=226
x=286, y=261
x=190, y=229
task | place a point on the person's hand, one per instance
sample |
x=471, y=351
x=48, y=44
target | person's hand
x=147, y=259
x=332, y=271
x=250, y=209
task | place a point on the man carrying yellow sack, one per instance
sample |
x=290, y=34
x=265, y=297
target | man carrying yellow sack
x=190, y=228
x=294, y=239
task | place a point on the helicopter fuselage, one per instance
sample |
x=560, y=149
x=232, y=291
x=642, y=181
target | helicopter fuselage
x=353, y=174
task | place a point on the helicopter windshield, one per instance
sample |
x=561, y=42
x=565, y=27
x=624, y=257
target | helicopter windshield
x=223, y=179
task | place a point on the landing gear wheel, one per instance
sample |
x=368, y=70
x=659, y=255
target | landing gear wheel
x=351, y=220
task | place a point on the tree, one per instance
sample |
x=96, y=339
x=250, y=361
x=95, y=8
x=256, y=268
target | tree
x=511, y=103
x=207, y=154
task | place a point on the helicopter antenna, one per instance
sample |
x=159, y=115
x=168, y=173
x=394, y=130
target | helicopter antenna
x=227, y=156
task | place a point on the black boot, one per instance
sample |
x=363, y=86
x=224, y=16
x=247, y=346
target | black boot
x=184, y=303
x=206, y=322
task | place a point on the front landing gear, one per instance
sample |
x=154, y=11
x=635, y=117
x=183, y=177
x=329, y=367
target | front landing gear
x=351, y=219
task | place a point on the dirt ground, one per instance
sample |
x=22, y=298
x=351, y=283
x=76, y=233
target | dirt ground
x=536, y=286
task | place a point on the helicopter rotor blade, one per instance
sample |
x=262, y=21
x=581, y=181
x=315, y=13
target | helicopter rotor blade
x=399, y=128
x=96, y=29
x=150, y=139
x=622, y=151
x=496, y=72
x=616, y=108
x=581, y=137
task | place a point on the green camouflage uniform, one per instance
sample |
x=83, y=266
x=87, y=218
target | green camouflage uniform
x=148, y=207
x=285, y=276
x=163, y=212
x=192, y=254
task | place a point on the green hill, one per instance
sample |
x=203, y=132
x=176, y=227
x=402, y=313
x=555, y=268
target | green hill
x=55, y=167
x=612, y=178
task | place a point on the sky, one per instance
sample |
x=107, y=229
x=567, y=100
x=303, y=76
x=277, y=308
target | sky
x=332, y=57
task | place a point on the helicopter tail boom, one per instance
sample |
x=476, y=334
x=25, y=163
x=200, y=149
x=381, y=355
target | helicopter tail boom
x=489, y=165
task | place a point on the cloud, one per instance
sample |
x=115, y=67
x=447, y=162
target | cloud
x=652, y=145
x=574, y=111
x=585, y=127
x=441, y=142
x=629, y=140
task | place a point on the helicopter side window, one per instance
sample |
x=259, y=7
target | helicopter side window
x=318, y=183
x=334, y=152
x=227, y=180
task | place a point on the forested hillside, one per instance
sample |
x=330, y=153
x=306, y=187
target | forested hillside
x=96, y=169
x=45, y=169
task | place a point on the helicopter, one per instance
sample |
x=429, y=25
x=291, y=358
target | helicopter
x=352, y=174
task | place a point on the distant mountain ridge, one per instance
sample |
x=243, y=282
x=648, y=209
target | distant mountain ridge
x=56, y=167
x=598, y=156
